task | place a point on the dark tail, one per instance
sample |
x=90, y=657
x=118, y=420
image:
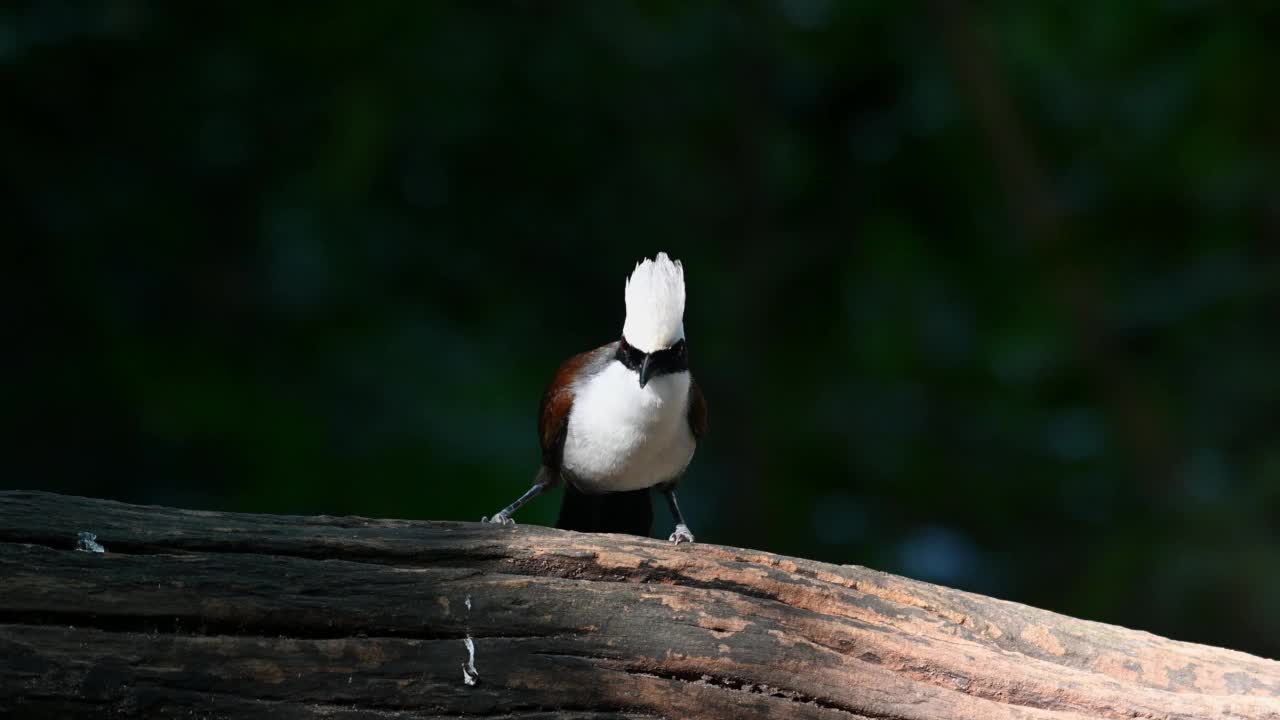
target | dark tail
x=621, y=512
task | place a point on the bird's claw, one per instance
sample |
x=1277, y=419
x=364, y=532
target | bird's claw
x=681, y=534
x=499, y=519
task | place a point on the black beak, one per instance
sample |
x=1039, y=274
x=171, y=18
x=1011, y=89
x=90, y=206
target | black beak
x=646, y=370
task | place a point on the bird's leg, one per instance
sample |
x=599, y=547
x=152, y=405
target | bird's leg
x=682, y=533
x=504, y=516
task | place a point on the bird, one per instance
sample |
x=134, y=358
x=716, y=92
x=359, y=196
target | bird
x=624, y=418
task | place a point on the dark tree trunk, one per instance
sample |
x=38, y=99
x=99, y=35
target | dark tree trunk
x=200, y=614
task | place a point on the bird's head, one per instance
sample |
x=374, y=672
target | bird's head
x=653, y=341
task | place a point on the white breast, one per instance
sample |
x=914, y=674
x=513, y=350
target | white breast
x=625, y=437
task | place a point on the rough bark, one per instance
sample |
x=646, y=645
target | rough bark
x=209, y=614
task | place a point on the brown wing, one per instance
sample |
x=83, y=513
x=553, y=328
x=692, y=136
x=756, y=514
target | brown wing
x=553, y=414
x=697, y=410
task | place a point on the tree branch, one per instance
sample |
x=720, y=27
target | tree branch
x=241, y=615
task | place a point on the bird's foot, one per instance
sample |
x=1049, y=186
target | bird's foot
x=499, y=519
x=681, y=534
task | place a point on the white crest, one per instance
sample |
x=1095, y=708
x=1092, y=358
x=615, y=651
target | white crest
x=655, y=304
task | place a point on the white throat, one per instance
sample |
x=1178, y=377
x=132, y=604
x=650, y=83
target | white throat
x=625, y=437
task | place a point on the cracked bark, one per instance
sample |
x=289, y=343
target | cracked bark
x=237, y=615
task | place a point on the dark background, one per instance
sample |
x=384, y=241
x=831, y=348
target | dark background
x=984, y=295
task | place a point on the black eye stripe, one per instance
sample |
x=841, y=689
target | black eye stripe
x=668, y=354
x=661, y=362
x=629, y=356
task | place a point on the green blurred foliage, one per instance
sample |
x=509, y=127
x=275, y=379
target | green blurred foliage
x=323, y=258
